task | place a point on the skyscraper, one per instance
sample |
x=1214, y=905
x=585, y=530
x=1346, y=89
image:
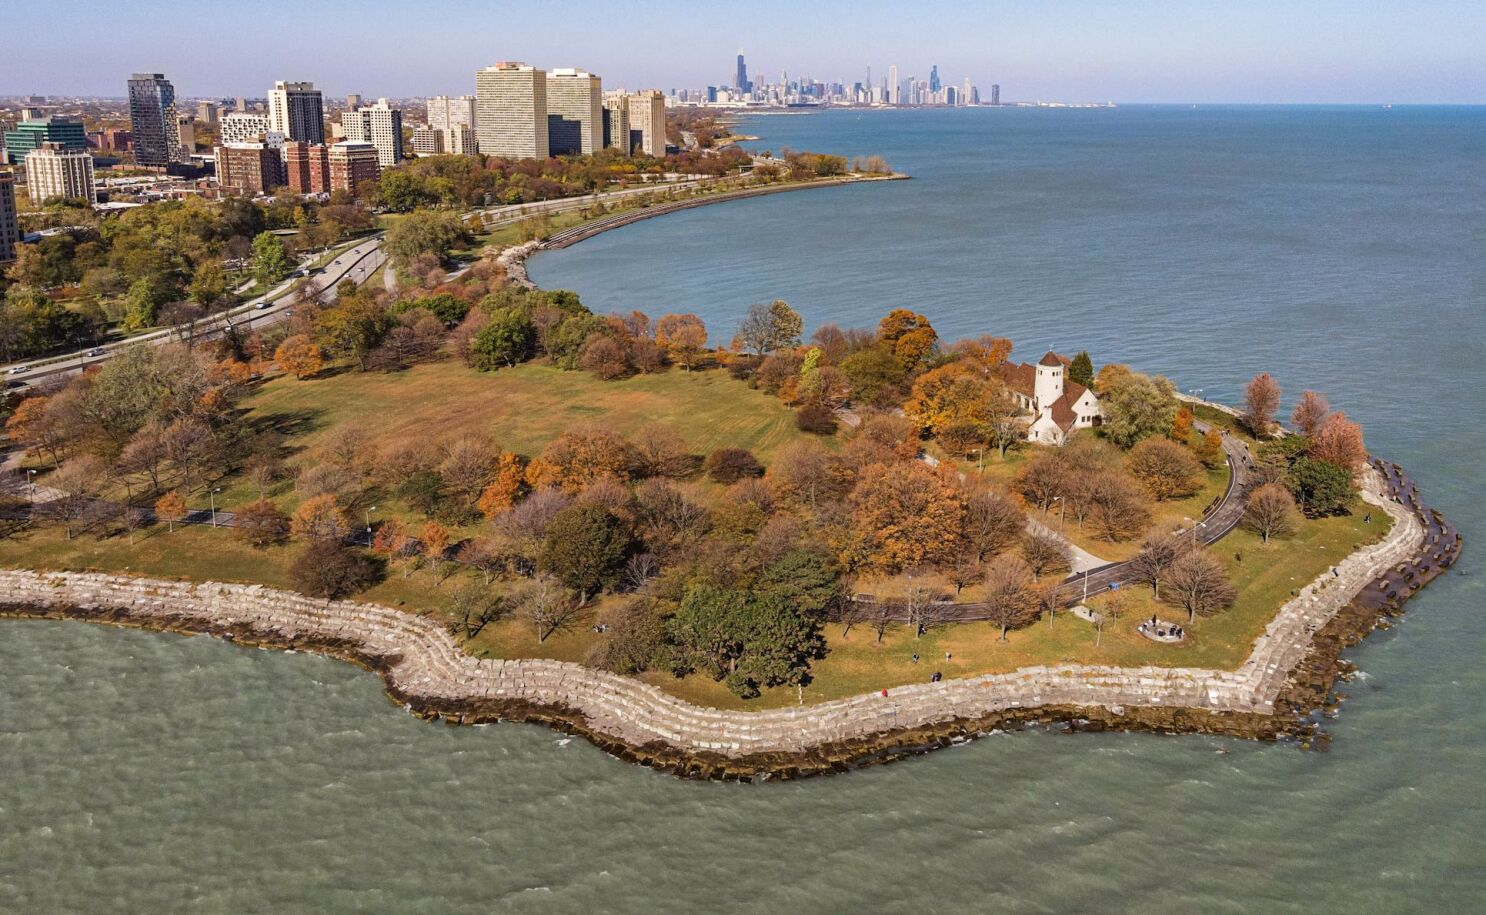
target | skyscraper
x=297, y=111
x=575, y=114
x=511, y=111
x=893, y=89
x=152, y=119
x=10, y=227
x=206, y=112
x=616, y=122
x=381, y=126
x=445, y=112
x=934, y=78
x=965, y=92
x=995, y=93
x=741, y=82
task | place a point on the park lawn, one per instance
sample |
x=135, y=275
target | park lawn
x=1266, y=577
x=1165, y=517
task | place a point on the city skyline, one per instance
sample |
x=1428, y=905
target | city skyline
x=1328, y=52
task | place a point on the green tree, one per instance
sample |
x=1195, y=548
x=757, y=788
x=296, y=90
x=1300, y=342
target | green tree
x=143, y=302
x=209, y=284
x=747, y=641
x=1137, y=407
x=353, y=328
x=585, y=548
x=271, y=262
x=425, y=232
x=400, y=191
x=508, y=339
x=1081, y=369
x=804, y=580
x=1320, y=487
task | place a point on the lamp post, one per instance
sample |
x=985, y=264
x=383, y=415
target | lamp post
x=31, y=484
x=1062, y=512
x=980, y=461
x=214, y=505
x=368, y=522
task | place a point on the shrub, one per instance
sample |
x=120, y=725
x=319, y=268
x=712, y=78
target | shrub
x=327, y=569
x=816, y=418
x=729, y=465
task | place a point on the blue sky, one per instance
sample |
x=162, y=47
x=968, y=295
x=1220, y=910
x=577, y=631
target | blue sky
x=1073, y=50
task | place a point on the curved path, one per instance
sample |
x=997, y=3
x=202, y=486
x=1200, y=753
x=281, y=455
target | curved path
x=424, y=667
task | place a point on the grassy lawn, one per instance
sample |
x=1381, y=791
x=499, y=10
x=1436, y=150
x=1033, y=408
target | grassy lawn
x=856, y=662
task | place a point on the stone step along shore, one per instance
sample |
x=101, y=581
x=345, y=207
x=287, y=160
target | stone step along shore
x=424, y=666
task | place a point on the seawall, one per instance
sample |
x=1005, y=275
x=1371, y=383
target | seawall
x=1290, y=671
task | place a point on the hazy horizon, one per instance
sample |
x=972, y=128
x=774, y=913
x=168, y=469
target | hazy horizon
x=1161, y=51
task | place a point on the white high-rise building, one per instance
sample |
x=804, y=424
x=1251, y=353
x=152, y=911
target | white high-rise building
x=647, y=122
x=381, y=126
x=616, y=122
x=893, y=87
x=511, y=111
x=52, y=171
x=575, y=112
x=297, y=111
x=242, y=127
x=445, y=112
x=460, y=140
x=428, y=141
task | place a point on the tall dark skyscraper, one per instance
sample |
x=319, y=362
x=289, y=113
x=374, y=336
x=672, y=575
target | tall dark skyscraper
x=934, y=78
x=152, y=120
x=741, y=83
x=995, y=93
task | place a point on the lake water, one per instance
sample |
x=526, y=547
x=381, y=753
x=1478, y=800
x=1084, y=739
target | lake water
x=1341, y=249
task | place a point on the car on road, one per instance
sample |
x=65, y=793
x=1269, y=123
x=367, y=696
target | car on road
x=17, y=369
x=260, y=306
x=96, y=351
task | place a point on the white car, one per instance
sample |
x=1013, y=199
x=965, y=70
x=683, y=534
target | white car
x=260, y=306
x=18, y=369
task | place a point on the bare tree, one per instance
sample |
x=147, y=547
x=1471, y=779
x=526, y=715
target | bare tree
x=1198, y=584
x=1009, y=598
x=476, y=606
x=992, y=521
x=1309, y=412
x=1152, y=565
x=547, y=606
x=1271, y=512
x=921, y=605
x=1045, y=554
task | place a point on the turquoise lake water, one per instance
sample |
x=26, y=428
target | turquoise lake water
x=1342, y=249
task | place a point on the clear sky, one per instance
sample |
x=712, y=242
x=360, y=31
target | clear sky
x=1071, y=50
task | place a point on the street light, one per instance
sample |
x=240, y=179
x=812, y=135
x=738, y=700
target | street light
x=1062, y=512
x=368, y=518
x=31, y=484
x=213, y=495
x=980, y=461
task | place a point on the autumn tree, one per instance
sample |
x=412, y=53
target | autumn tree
x=467, y=465
x=805, y=473
x=578, y=457
x=300, y=356
x=1167, y=469
x=769, y=327
x=905, y=515
x=261, y=524
x=661, y=451
x=1044, y=554
x=1008, y=593
x=1198, y=584
x=319, y=518
x=171, y=508
x=955, y=402
x=330, y=569
x=909, y=336
x=1153, y=564
x=1261, y=397
x=1338, y=440
x=1309, y=412
x=508, y=485
x=684, y=338
x=392, y=542
x=36, y=427
x=1270, y=512
x=1117, y=505
x=1210, y=449
x=434, y=538
x=1181, y=426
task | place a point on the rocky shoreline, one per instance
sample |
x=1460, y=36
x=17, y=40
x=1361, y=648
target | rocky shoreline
x=1273, y=695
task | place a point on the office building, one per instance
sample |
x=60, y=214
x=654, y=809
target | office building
x=995, y=93
x=352, y=162
x=575, y=113
x=53, y=171
x=306, y=168
x=185, y=129
x=445, y=112
x=740, y=78
x=428, y=141
x=893, y=87
x=616, y=122
x=242, y=127
x=297, y=111
x=511, y=111
x=380, y=125
x=353, y=101
x=206, y=112
x=28, y=135
x=249, y=168
x=152, y=120
x=647, y=122
x=10, y=226
x=934, y=78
